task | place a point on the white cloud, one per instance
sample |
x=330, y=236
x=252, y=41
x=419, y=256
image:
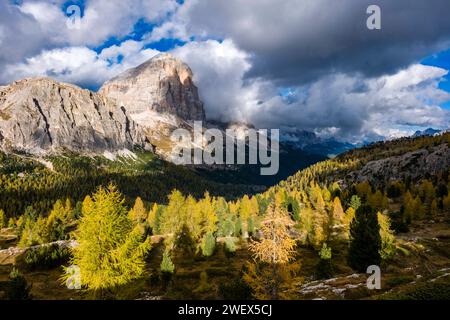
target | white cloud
x=219, y=70
x=81, y=65
x=34, y=26
x=294, y=42
x=318, y=53
x=352, y=107
x=345, y=106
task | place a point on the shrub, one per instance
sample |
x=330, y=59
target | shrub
x=19, y=288
x=203, y=285
x=398, y=223
x=438, y=290
x=230, y=247
x=46, y=257
x=184, y=244
x=237, y=289
x=167, y=265
x=397, y=281
x=167, y=269
x=388, y=246
x=324, y=268
x=11, y=223
x=208, y=244
x=2, y=219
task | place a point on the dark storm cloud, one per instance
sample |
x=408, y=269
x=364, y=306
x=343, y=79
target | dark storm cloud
x=297, y=41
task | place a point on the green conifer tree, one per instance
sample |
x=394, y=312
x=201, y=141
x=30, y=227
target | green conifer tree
x=208, y=244
x=365, y=240
x=110, y=251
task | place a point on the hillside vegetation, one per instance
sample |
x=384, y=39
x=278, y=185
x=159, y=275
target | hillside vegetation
x=311, y=236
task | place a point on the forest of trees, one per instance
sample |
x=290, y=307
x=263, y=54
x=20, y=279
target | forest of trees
x=28, y=183
x=311, y=209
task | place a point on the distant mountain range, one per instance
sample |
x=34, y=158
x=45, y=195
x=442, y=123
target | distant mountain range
x=311, y=143
x=427, y=132
x=139, y=108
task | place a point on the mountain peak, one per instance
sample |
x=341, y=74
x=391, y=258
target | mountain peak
x=165, y=56
x=163, y=84
x=427, y=132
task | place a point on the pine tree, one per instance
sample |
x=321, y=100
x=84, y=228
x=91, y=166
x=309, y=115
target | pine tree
x=110, y=251
x=238, y=227
x=194, y=217
x=173, y=216
x=11, y=223
x=349, y=216
x=364, y=190
x=204, y=284
x=355, y=202
x=427, y=192
x=250, y=226
x=208, y=244
x=208, y=215
x=318, y=200
x=153, y=218
x=230, y=247
x=183, y=243
x=34, y=232
x=138, y=214
x=272, y=272
x=324, y=268
x=167, y=265
x=19, y=288
x=418, y=208
x=365, y=240
x=226, y=228
x=318, y=232
x=58, y=220
x=245, y=208
x=446, y=202
x=377, y=200
x=167, y=269
x=337, y=225
x=388, y=246
x=2, y=219
x=434, y=210
x=338, y=215
x=408, y=207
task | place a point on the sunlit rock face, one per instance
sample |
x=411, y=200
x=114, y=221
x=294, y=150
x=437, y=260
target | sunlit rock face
x=40, y=115
x=162, y=84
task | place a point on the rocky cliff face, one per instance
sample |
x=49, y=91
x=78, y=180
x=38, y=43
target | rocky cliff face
x=140, y=107
x=411, y=165
x=40, y=115
x=160, y=97
x=163, y=84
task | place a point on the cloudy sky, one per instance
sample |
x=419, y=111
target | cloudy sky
x=305, y=64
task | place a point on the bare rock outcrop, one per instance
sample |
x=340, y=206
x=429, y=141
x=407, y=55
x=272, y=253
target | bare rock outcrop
x=40, y=115
x=162, y=84
x=411, y=165
x=141, y=106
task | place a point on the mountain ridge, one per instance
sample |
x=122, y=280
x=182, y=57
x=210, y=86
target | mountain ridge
x=40, y=115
